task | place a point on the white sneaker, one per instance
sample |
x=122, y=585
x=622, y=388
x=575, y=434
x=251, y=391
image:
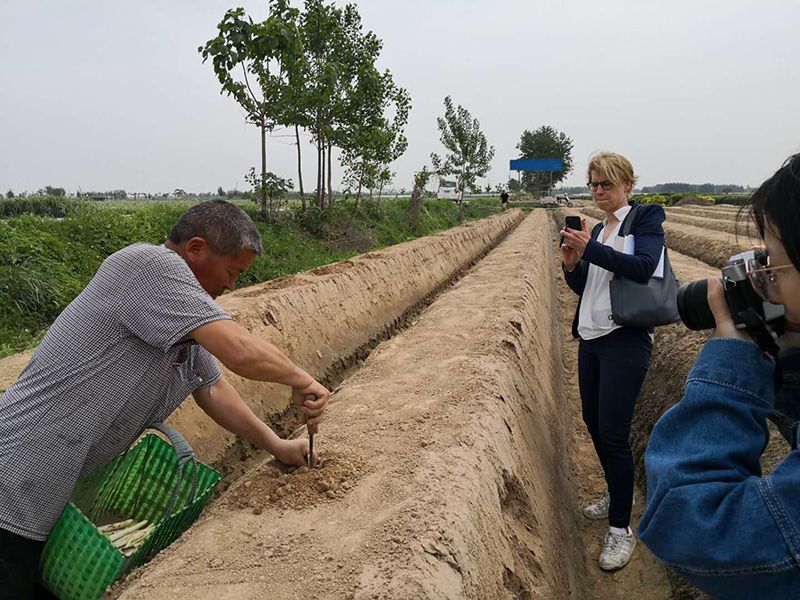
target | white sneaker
x=617, y=550
x=598, y=510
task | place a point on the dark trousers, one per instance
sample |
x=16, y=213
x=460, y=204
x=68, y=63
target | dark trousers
x=19, y=568
x=611, y=371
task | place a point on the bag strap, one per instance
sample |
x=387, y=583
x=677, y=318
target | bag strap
x=627, y=225
x=185, y=454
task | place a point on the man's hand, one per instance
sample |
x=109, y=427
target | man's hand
x=722, y=314
x=310, y=402
x=292, y=452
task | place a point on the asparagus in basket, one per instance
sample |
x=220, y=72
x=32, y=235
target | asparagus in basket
x=127, y=535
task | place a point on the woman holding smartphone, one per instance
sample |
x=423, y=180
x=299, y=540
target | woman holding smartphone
x=612, y=359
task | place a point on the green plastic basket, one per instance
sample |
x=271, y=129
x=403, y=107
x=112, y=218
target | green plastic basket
x=154, y=480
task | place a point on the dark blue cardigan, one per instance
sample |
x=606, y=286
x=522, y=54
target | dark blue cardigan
x=649, y=235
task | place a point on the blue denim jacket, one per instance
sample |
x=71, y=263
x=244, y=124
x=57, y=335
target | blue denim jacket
x=710, y=514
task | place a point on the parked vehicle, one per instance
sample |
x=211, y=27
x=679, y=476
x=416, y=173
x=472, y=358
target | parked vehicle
x=448, y=190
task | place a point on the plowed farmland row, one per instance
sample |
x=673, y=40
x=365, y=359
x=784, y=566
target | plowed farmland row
x=454, y=456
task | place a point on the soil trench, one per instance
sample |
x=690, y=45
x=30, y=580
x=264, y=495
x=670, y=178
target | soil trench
x=444, y=473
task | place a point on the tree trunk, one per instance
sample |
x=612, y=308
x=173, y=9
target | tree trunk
x=360, y=181
x=414, y=207
x=263, y=168
x=319, y=174
x=299, y=166
x=330, y=187
x=325, y=200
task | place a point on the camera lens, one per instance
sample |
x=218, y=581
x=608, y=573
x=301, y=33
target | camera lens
x=693, y=305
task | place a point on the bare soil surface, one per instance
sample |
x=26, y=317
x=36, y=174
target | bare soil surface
x=726, y=224
x=454, y=460
x=718, y=211
x=11, y=367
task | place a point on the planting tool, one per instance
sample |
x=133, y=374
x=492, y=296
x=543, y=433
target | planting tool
x=312, y=463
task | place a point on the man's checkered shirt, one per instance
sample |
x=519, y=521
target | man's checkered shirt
x=118, y=359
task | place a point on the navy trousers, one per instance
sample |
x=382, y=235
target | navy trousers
x=611, y=372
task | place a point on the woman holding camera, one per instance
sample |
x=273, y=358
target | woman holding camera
x=612, y=359
x=711, y=514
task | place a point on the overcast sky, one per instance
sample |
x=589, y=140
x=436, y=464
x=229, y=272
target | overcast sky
x=103, y=94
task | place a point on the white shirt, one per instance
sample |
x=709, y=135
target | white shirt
x=594, y=319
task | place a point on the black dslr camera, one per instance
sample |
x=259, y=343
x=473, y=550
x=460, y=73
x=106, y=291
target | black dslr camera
x=750, y=310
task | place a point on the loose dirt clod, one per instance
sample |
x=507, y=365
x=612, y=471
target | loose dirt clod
x=272, y=485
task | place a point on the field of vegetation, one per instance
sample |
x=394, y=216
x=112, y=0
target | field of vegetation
x=51, y=247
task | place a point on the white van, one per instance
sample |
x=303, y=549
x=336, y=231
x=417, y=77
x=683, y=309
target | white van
x=448, y=190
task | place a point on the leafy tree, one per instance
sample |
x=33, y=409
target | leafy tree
x=348, y=102
x=10, y=194
x=514, y=186
x=220, y=191
x=469, y=154
x=49, y=190
x=253, y=62
x=273, y=187
x=545, y=142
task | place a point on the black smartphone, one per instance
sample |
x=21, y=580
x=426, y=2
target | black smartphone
x=571, y=222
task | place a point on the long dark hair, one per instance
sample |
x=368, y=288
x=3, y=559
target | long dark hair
x=776, y=204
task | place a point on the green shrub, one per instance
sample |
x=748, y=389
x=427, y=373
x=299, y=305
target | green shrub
x=659, y=199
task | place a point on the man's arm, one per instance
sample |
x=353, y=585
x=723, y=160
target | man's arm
x=248, y=356
x=253, y=358
x=223, y=404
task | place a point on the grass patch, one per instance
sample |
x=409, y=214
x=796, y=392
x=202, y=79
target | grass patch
x=45, y=261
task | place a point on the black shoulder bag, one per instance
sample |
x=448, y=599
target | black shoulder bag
x=650, y=304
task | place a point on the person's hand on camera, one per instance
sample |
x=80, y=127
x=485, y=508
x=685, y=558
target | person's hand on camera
x=725, y=327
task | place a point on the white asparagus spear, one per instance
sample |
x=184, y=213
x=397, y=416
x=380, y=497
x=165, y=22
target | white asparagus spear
x=127, y=531
x=115, y=526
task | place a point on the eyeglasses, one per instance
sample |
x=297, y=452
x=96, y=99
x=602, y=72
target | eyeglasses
x=606, y=185
x=762, y=275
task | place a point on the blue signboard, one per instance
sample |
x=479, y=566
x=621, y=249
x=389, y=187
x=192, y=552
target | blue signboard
x=537, y=164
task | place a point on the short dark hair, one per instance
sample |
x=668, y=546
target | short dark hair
x=225, y=226
x=778, y=200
